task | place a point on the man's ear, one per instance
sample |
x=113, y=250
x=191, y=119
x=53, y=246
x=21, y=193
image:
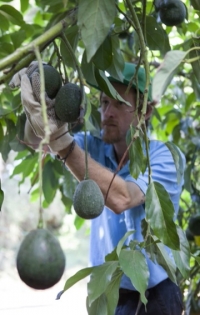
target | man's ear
x=149, y=111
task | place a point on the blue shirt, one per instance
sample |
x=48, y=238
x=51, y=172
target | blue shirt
x=109, y=228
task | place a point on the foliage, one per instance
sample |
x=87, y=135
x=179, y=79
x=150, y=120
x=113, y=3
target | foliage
x=82, y=39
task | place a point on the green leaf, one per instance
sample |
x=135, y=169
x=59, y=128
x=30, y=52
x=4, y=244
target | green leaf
x=1, y=136
x=68, y=184
x=89, y=126
x=164, y=259
x=166, y=72
x=111, y=256
x=5, y=147
x=138, y=161
x=117, y=65
x=4, y=22
x=67, y=202
x=197, y=259
x=100, y=277
x=105, y=86
x=88, y=70
x=134, y=265
x=72, y=37
x=58, y=167
x=121, y=242
x=150, y=243
x=187, y=178
x=1, y=196
x=157, y=38
x=16, y=145
x=81, y=274
x=14, y=16
x=103, y=56
x=195, y=54
x=24, y=5
x=196, y=4
x=182, y=257
x=178, y=160
x=112, y=291
x=26, y=166
x=49, y=182
x=5, y=49
x=98, y=307
x=88, y=109
x=160, y=213
x=78, y=222
x=95, y=18
x=18, y=38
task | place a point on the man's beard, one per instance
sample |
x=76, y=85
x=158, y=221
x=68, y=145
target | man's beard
x=111, y=136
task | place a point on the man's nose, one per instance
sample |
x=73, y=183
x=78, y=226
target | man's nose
x=109, y=110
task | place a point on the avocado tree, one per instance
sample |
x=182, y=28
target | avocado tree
x=83, y=40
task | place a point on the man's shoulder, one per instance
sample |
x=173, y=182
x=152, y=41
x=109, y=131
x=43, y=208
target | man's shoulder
x=155, y=145
x=92, y=139
x=166, y=149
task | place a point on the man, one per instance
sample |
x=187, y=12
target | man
x=125, y=203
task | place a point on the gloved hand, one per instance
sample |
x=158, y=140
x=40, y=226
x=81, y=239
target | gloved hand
x=31, y=140
x=60, y=138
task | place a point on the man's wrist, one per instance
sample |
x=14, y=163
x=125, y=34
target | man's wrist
x=64, y=154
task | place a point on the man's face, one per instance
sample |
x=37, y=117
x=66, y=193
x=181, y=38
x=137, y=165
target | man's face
x=116, y=116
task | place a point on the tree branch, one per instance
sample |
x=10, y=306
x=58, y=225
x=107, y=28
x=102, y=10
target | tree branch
x=42, y=40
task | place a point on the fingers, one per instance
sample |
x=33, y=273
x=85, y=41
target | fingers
x=35, y=83
x=32, y=67
x=30, y=137
x=16, y=79
x=27, y=96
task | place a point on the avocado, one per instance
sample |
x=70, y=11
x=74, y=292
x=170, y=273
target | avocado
x=52, y=78
x=67, y=102
x=172, y=12
x=88, y=200
x=40, y=259
x=194, y=224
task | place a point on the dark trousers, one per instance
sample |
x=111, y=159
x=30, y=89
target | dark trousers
x=163, y=299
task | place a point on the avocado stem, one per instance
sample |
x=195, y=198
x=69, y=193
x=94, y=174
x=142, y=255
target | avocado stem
x=86, y=152
x=83, y=100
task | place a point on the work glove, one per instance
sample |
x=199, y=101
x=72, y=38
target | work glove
x=31, y=140
x=60, y=137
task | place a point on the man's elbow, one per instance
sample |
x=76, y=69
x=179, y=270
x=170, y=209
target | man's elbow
x=120, y=204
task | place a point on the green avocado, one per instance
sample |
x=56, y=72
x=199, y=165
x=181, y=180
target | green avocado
x=88, y=200
x=40, y=259
x=67, y=102
x=172, y=12
x=52, y=80
x=194, y=224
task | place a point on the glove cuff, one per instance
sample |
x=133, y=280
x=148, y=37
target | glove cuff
x=60, y=140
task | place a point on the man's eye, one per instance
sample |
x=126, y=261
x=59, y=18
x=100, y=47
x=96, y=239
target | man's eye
x=104, y=103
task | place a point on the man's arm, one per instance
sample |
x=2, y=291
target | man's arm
x=122, y=195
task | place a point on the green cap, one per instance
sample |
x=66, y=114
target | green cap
x=128, y=74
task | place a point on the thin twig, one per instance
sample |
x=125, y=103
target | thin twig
x=83, y=100
x=46, y=132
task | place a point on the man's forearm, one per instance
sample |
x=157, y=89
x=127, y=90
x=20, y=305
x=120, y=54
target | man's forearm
x=120, y=196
